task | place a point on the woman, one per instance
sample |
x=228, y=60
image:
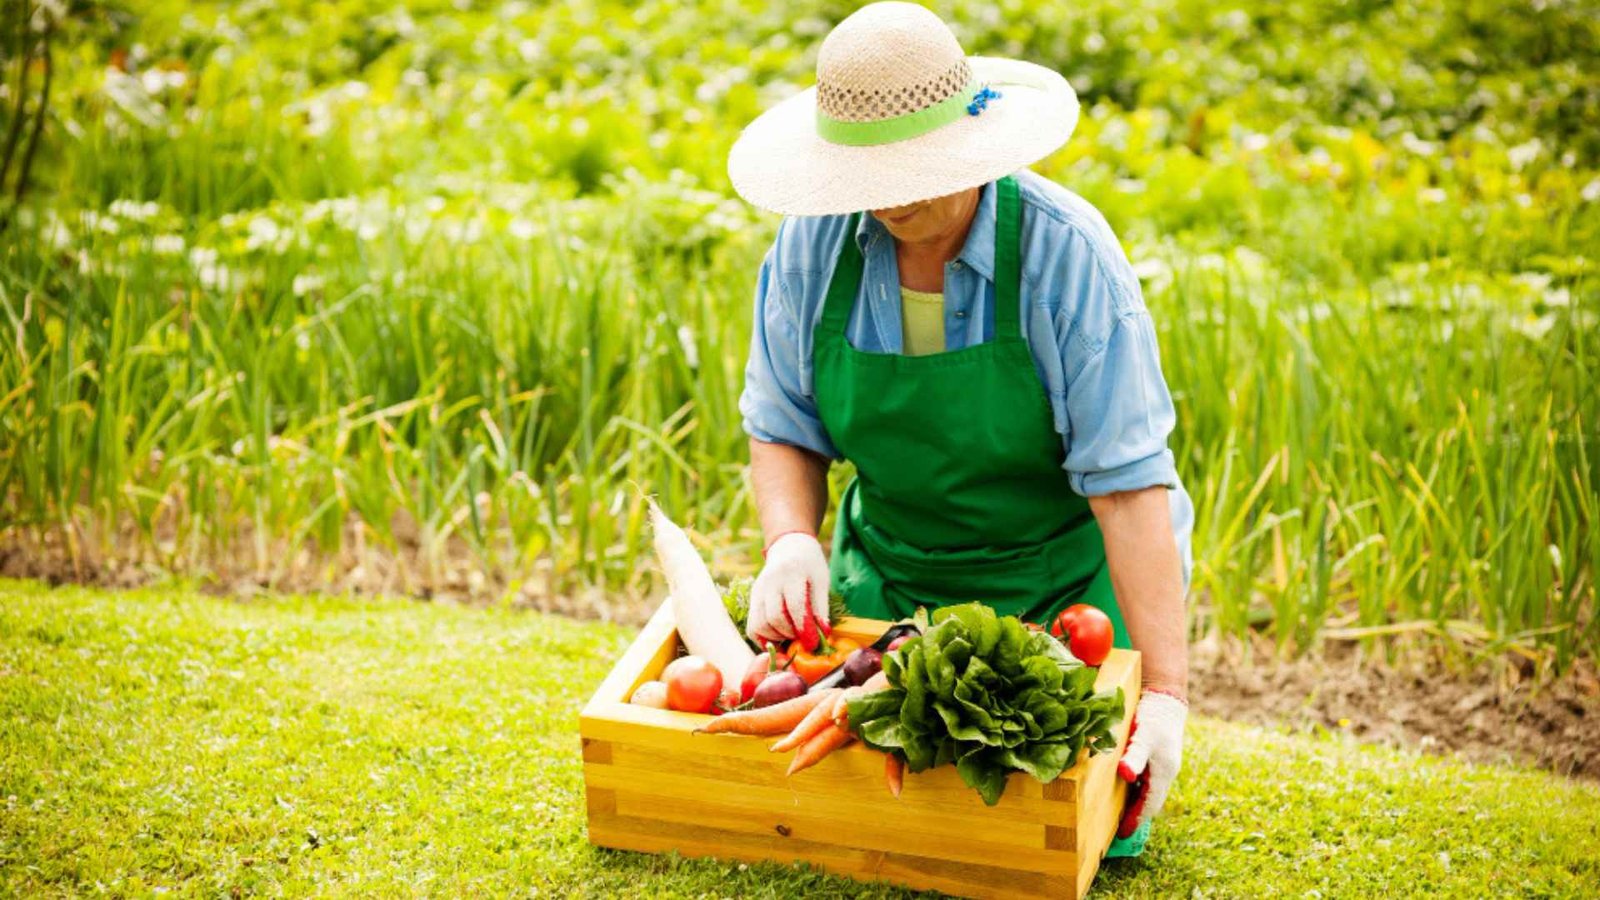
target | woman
x=977, y=347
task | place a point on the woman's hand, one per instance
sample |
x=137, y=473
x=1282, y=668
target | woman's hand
x=790, y=596
x=1156, y=747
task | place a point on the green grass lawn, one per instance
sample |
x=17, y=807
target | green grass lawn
x=167, y=740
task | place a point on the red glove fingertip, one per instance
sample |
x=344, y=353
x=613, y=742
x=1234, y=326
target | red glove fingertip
x=792, y=627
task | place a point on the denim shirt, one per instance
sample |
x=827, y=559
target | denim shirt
x=1084, y=321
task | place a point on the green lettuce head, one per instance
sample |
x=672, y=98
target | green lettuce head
x=983, y=692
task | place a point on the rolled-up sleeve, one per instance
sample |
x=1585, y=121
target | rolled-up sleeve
x=774, y=405
x=1119, y=409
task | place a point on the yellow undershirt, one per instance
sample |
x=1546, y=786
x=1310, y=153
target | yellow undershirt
x=921, y=322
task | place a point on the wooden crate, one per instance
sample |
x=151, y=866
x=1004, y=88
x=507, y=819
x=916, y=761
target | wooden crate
x=654, y=786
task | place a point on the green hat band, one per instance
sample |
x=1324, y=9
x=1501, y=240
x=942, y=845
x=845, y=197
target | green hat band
x=910, y=125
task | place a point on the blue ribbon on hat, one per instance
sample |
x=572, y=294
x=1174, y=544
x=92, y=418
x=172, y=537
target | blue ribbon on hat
x=980, y=100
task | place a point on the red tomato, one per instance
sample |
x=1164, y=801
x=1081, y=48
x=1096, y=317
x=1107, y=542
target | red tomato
x=728, y=699
x=1087, y=632
x=753, y=676
x=693, y=684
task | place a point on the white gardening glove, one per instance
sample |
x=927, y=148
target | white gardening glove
x=1157, y=743
x=793, y=582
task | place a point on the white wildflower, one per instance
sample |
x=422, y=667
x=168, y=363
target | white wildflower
x=1535, y=327
x=156, y=81
x=306, y=283
x=1591, y=191
x=1522, y=154
x=263, y=232
x=93, y=221
x=691, y=352
x=216, y=277
x=522, y=229
x=134, y=211
x=1418, y=146
x=1535, y=282
x=167, y=244
x=1433, y=195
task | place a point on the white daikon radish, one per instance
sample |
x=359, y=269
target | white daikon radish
x=703, y=622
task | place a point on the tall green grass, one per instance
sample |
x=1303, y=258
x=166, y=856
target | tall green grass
x=460, y=313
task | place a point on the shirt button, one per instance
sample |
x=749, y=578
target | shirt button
x=956, y=265
x=961, y=314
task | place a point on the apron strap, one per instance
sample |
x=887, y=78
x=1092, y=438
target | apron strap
x=1007, y=260
x=843, y=285
x=848, y=267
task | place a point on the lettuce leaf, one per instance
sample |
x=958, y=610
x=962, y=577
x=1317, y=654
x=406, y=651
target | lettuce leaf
x=983, y=692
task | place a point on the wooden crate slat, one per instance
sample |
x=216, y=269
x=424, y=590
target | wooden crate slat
x=903, y=820
x=919, y=873
x=672, y=732
x=849, y=830
x=924, y=790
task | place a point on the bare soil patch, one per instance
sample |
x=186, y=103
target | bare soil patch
x=1554, y=726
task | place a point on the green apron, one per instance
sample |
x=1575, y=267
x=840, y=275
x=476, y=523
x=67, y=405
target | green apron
x=959, y=492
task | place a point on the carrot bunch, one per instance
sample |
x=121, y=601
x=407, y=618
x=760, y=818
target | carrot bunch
x=813, y=725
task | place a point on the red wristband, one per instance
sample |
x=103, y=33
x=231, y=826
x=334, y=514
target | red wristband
x=1173, y=694
x=785, y=534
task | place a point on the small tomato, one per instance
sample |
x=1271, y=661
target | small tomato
x=693, y=684
x=759, y=667
x=1086, y=631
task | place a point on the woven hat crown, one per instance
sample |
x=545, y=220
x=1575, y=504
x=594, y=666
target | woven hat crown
x=888, y=59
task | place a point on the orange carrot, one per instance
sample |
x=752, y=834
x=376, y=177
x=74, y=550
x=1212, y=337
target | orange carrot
x=774, y=719
x=815, y=721
x=841, y=706
x=894, y=770
x=830, y=739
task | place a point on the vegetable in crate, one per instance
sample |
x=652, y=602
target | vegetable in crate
x=703, y=621
x=1087, y=631
x=985, y=693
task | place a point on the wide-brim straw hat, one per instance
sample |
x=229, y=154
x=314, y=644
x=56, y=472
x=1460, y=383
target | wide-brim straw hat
x=899, y=114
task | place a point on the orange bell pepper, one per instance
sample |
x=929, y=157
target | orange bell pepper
x=829, y=655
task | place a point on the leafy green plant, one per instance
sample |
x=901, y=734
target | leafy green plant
x=983, y=692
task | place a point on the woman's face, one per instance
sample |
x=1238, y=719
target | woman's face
x=928, y=220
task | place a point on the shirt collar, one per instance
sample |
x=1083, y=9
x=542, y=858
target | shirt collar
x=977, y=252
